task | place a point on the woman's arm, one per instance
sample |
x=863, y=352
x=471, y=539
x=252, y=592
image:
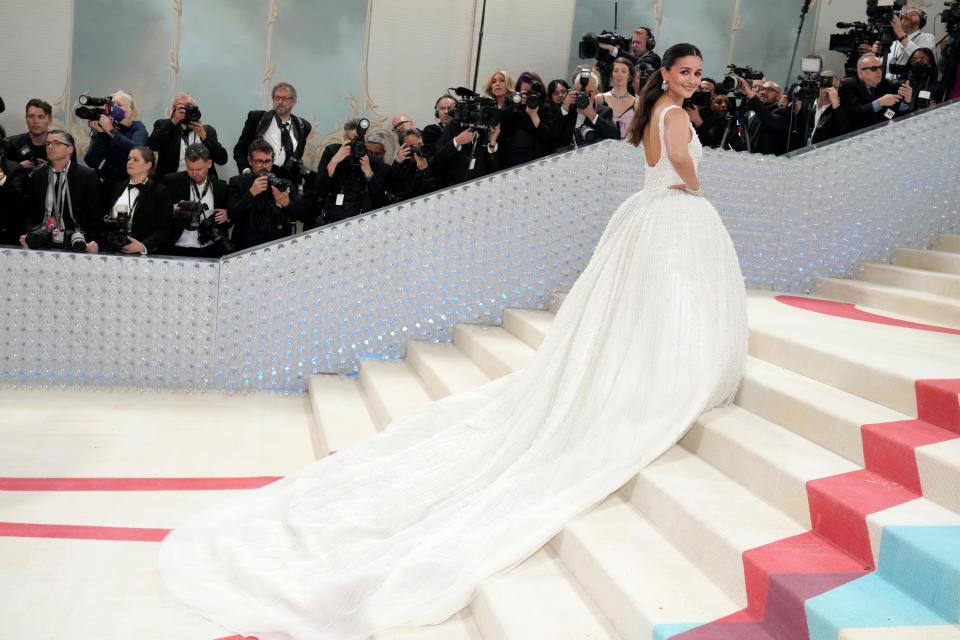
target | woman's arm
x=676, y=136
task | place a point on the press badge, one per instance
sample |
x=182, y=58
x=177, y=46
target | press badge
x=339, y=202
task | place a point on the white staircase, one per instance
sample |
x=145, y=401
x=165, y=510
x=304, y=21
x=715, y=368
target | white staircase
x=674, y=545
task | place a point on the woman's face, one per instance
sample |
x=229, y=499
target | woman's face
x=684, y=75
x=559, y=93
x=498, y=86
x=122, y=102
x=921, y=57
x=620, y=74
x=136, y=165
x=719, y=105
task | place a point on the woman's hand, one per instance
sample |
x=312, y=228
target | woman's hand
x=135, y=246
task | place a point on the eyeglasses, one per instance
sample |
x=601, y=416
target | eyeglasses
x=50, y=143
x=283, y=98
x=875, y=67
x=262, y=162
x=400, y=124
x=769, y=89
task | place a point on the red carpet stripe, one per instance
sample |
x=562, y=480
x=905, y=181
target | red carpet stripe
x=133, y=484
x=847, y=310
x=938, y=402
x=890, y=449
x=75, y=532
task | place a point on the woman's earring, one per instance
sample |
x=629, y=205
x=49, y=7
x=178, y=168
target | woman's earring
x=664, y=85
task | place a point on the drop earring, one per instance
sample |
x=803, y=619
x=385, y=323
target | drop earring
x=664, y=85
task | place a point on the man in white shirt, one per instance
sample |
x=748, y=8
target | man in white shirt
x=909, y=38
x=286, y=133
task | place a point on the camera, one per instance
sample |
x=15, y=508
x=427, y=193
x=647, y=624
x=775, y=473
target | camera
x=282, y=184
x=41, y=237
x=358, y=146
x=590, y=48
x=700, y=98
x=420, y=150
x=117, y=230
x=295, y=166
x=191, y=113
x=92, y=108
x=730, y=83
x=881, y=12
x=951, y=16
x=473, y=111
x=534, y=98
x=192, y=215
x=583, y=98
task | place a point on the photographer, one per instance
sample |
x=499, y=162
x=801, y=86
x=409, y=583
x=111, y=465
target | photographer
x=499, y=86
x=581, y=122
x=829, y=118
x=869, y=98
x=284, y=132
x=769, y=125
x=921, y=72
x=443, y=112
x=198, y=184
x=171, y=137
x=410, y=175
x=29, y=148
x=63, y=198
x=263, y=206
x=641, y=49
x=139, y=208
x=524, y=125
x=350, y=180
x=713, y=123
x=908, y=37
x=112, y=140
x=466, y=151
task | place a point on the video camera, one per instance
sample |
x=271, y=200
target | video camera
x=700, y=98
x=951, y=16
x=92, y=108
x=730, y=83
x=473, y=111
x=590, y=48
x=881, y=12
x=358, y=146
x=192, y=216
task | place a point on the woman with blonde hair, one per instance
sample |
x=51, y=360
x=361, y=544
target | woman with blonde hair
x=499, y=86
x=113, y=137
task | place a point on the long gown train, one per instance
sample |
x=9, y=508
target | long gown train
x=401, y=528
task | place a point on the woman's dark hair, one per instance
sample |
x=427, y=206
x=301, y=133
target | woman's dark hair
x=148, y=156
x=934, y=72
x=651, y=91
x=559, y=82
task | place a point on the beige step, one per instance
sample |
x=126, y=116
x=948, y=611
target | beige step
x=816, y=411
x=392, y=390
x=691, y=503
x=769, y=460
x=538, y=599
x=458, y=627
x=944, y=632
x=939, y=467
x=947, y=242
x=495, y=350
x=918, y=304
x=935, y=282
x=443, y=368
x=944, y=261
x=340, y=412
x=530, y=325
x=637, y=577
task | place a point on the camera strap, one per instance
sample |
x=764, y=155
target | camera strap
x=196, y=189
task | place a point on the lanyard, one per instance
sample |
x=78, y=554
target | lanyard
x=196, y=189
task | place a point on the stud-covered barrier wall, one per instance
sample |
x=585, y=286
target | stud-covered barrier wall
x=317, y=302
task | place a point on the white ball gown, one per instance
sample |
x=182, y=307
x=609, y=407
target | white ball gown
x=400, y=529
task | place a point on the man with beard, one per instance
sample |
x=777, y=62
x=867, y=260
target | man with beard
x=284, y=132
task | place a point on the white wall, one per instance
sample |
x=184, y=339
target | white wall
x=37, y=42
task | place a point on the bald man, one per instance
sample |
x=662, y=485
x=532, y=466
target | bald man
x=171, y=137
x=870, y=98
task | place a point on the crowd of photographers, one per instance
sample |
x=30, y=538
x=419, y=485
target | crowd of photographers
x=159, y=193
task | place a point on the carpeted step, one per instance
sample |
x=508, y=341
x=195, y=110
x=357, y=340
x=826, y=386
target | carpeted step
x=936, y=309
x=495, y=350
x=458, y=627
x=392, y=390
x=941, y=284
x=530, y=325
x=340, y=412
x=943, y=261
x=443, y=368
x=947, y=242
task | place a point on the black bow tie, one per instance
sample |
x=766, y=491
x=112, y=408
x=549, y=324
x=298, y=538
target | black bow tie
x=132, y=186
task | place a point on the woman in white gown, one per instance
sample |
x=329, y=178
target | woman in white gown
x=400, y=529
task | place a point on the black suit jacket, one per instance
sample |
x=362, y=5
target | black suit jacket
x=152, y=215
x=258, y=122
x=770, y=134
x=431, y=135
x=856, y=101
x=178, y=184
x=452, y=167
x=22, y=148
x=359, y=194
x=521, y=141
x=165, y=140
x=13, y=202
x=563, y=128
x=833, y=123
x=84, y=198
x=257, y=219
